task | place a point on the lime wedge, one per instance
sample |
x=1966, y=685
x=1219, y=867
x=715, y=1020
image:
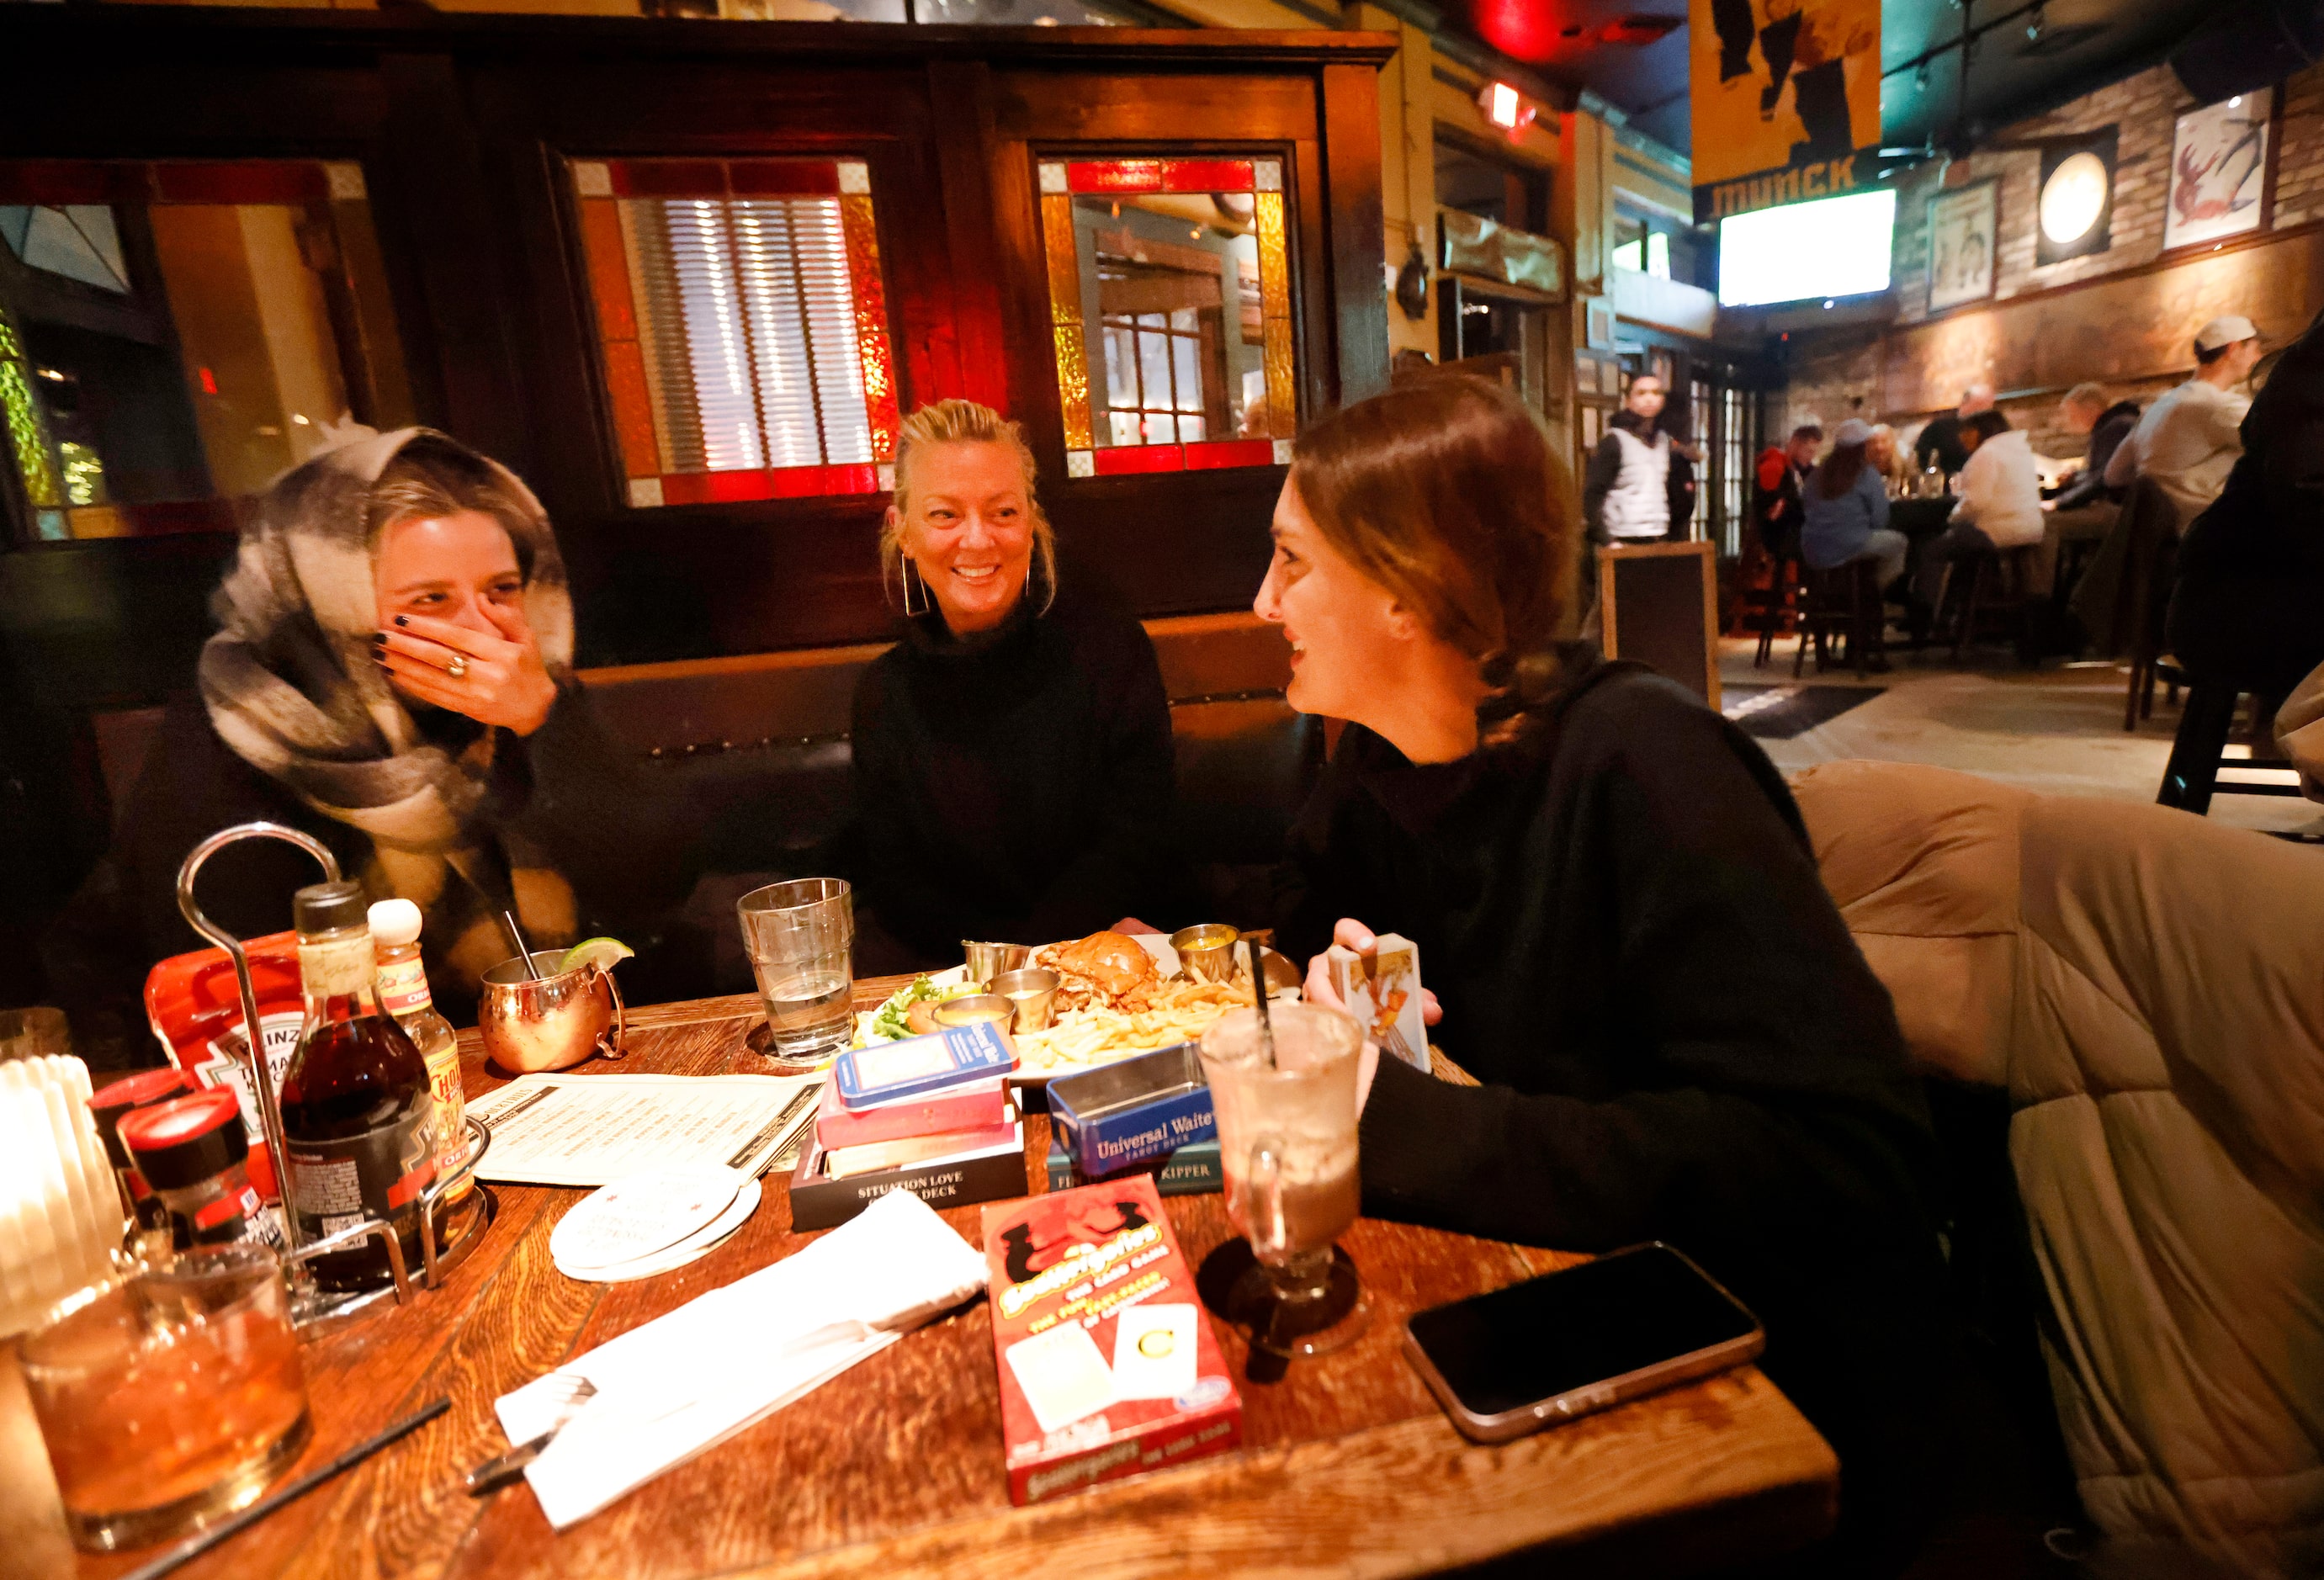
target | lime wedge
x=601, y=952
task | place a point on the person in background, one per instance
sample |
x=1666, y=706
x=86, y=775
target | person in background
x=1625, y=492
x=1012, y=759
x=1847, y=513
x=2189, y=439
x=1683, y=491
x=2248, y=606
x=1882, y=455
x=1630, y=946
x=392, y=675
x=2086, y=411
x=1776, y=509
x=1942, y=443
x=1999, y=504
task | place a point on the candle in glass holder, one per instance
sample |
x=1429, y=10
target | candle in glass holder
x=60, y=1210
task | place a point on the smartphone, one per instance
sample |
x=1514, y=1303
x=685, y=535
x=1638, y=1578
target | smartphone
x=1565, y=1344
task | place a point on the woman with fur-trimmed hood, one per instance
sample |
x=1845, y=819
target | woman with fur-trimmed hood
x=393, y=674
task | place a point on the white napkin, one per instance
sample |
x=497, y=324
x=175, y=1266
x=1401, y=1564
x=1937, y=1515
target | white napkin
x=688, y=1380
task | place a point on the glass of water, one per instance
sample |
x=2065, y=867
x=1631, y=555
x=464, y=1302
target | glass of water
x=800, y=937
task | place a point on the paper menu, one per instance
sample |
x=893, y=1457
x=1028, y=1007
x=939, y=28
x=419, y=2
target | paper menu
x=588, y=1130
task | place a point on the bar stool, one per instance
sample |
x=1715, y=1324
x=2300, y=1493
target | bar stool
x=1845, y=601
x=1997, y=584
x=1763, y=607
x=2198, y=749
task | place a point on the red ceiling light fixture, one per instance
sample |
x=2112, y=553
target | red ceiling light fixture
x=1505, y=108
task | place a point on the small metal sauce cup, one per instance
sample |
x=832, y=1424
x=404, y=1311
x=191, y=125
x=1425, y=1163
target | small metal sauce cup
x=1206, y=952
x=988, y=960
x=974, y=1007
x=1034, y=992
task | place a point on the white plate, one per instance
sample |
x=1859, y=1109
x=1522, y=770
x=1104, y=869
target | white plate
x=645, y=1214
x=703, y=1242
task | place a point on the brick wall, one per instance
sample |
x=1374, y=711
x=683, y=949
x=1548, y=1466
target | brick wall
x=1839, y=373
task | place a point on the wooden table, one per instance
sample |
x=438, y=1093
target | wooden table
x=895, y=1466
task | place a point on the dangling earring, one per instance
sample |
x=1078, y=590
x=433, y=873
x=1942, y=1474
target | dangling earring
x=911, y=581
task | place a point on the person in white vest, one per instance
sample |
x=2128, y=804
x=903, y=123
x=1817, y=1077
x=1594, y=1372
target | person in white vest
x=1625, y=492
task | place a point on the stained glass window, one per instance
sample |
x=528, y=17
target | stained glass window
x=742, y=326
x=1170, y=305
x=176, y=333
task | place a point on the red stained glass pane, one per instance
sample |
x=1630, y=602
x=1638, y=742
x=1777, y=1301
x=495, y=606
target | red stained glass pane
x=255, y=183
x=609, y=272
x=1125, y=460
x=783, y=178
x=783, y=482
x=625, y=383
x=60, y=182
x=667, y=177
x=1230, y=453
x=1160, y=175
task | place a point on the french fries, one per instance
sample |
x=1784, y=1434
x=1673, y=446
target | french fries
x=1176, y=1012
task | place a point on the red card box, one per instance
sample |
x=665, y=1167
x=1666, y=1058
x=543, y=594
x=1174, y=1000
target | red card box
x=973, y=1107
x=1085, y=1256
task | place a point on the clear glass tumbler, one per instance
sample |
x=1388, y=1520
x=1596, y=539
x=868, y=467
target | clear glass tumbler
x=170, y=1395
x=800, y=936
x=1287, y=1145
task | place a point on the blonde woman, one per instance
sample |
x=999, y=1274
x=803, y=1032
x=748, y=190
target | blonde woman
x=1012, y=759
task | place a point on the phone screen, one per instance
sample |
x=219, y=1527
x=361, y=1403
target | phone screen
x=1517, y=1347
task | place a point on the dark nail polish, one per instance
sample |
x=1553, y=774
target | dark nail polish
x=402, y=620
x=378, y=641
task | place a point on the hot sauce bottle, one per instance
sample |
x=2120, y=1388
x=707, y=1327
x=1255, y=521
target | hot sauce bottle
x=358, y=1118
x=403, y=994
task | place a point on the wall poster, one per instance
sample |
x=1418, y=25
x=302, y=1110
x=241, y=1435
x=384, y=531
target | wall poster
x=1961, y=223
x=2218, y=170
x=1786, y=100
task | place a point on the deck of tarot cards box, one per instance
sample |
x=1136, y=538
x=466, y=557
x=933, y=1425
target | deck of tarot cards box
x=1108, y=1366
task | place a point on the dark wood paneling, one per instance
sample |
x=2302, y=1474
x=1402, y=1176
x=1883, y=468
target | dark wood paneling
x=462, y=122
x=1352, y=167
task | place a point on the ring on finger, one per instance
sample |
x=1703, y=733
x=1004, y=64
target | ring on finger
x=458, y=669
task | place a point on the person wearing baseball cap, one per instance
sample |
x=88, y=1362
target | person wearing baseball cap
x=2188, y=438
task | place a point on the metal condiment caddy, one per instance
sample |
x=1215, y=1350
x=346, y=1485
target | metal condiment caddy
x=465, y=1221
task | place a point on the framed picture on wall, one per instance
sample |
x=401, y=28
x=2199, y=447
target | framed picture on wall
x=1961, y=223
x=2218, y=170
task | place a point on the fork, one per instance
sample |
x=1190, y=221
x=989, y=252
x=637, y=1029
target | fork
x=568, y=1398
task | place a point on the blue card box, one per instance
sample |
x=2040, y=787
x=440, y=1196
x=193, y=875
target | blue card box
x=915, y=1066
x=1119, y=1115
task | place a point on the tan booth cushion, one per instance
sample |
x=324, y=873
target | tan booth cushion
x=2149, y=986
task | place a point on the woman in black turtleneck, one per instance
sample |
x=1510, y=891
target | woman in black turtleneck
x=1012, y=750
x=1623, y=926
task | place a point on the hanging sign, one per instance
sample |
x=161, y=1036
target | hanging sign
x=1786, y=100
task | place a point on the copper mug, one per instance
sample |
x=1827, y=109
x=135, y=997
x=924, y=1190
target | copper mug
x=553, y=1022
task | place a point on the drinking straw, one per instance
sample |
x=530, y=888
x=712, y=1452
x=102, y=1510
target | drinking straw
x=1259, y=991
x=523, y=949
x=295, y=1490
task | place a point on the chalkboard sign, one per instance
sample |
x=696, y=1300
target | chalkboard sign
x=1657, y=603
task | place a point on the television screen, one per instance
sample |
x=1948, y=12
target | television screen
x=1831, y=247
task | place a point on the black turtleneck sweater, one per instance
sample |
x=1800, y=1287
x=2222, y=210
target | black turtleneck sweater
x=1677, y=1036
x=1013, y=786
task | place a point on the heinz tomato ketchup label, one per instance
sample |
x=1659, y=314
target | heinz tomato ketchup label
x=195, y=1009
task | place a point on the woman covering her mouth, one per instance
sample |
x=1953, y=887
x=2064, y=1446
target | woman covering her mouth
x=1624, y=928
x=1012, y=757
